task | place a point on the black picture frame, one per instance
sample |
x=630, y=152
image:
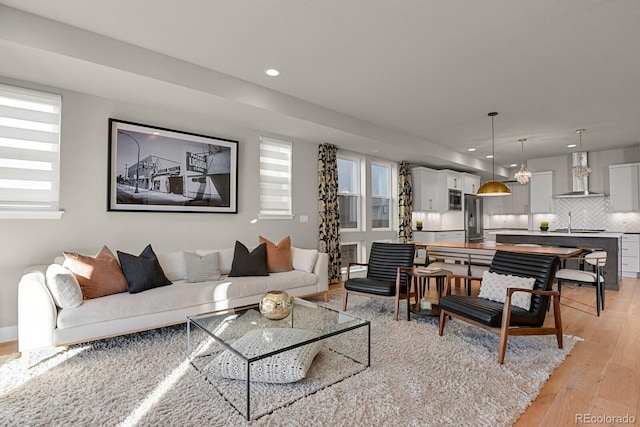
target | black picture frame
x=154, y=169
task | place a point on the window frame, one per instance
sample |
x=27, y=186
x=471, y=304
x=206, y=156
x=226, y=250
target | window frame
x=360, y=182
x=390, y=197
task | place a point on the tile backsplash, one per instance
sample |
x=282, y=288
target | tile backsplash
x=586, y=212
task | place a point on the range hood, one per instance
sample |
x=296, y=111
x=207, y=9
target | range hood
x=580, y=185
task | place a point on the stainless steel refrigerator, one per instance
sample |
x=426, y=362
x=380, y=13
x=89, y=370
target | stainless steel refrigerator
x=473, y=228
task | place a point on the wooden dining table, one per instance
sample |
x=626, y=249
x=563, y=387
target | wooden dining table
x=465, y=247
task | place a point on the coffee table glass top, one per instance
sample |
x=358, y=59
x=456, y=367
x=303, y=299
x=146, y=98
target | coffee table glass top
x=345, y=351
x=228, y=326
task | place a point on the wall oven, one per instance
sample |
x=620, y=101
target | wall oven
x=455, y=200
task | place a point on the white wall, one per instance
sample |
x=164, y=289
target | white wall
x=86, y=225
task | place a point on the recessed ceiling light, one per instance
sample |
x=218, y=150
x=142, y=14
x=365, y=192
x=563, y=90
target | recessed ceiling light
x=471, y=149
x=490, y=156
x=513, y=165
x=272, y=72
x=571, y=146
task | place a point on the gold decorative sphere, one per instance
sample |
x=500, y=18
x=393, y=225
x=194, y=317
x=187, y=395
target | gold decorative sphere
x=276, y=305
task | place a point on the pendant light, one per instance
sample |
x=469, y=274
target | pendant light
x=523, y=175
x=583, y=169
x=493, y=187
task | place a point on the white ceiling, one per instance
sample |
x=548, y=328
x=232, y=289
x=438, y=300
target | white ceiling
x=411, y=80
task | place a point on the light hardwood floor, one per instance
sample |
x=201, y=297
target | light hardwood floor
x=600, y=377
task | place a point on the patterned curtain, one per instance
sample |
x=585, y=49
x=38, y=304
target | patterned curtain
x=329, y=216
x=405, y=200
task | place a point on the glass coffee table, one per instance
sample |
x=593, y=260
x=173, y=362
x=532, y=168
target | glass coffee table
x=215, y=338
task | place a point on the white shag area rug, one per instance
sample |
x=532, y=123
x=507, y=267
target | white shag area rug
x=416, y=378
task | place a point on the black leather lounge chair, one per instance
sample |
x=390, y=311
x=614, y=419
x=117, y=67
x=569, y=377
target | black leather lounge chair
x=384, y=278
x=504, y=318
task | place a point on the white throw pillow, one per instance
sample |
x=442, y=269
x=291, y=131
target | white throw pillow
x=64, y=286
x=173, y=265
x=494, y=287
x=202, y=268
x=303, y=259
x=286, y=367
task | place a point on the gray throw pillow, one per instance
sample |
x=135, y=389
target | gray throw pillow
x=202, y=268
x=247, y=263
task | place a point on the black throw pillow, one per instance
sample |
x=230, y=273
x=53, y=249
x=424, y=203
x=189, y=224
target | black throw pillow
x=247, y=263
x=142, y=272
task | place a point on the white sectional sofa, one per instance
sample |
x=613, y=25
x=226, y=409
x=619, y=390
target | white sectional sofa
x=42, y=324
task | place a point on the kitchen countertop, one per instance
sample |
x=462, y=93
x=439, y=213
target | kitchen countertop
x=553, y=233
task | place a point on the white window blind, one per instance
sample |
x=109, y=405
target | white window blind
x=275, y=178
x=29, y=153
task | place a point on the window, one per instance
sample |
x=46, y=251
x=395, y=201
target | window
x=275, y=179
x=349, y=253
x=29, y=153
x=380, y=195
x=349, y=192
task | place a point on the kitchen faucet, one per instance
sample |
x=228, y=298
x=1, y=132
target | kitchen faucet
x=569, y=228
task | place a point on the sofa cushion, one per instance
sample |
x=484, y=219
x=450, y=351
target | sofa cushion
x=64, y=287
x=278, y=255
x=201, y=268
x=286, y=367
x=247, y=263
x=143, y=272
x=494, y=287
x=173, y=265
x=98, y=276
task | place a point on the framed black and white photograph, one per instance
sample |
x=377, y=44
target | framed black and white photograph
x=152, y=169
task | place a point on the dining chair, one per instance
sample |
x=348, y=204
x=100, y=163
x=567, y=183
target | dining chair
x=595, y=261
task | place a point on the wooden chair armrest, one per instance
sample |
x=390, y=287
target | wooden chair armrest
x=352, y=264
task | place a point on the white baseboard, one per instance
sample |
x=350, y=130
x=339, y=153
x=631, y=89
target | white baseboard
x=9, y=333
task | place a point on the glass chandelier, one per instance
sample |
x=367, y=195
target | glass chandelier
x=580, y=171
x=523, y=175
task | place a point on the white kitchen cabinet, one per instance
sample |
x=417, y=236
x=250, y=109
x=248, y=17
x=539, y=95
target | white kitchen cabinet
x=630, y=259
x=624, y=187
x=450, y=179
x=425, y=190
x=517, y=203
x=470, y=183
x=449, y=182
x=439, y=236
x=519, y=198
x=541, y=192
x=498, y=205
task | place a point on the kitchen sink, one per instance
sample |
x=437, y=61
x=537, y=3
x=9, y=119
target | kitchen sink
x=577, y=230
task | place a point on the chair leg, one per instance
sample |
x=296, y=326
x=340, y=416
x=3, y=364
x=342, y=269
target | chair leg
x=558, y=320
x=395, y=315
x=442, y=320
x=559, y=289
x=504, y=335
x=598, y=294
x=344, y=300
